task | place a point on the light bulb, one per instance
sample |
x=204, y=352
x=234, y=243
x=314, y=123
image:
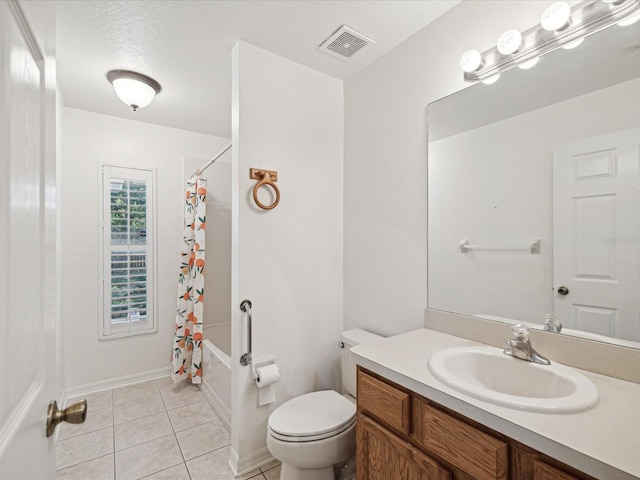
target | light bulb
x=133, y=92
x=629, y=21
x=471, y=61
x=529, y=63
x=574, y=44
x=509, y=42
x=556, y=16
x=491, y=80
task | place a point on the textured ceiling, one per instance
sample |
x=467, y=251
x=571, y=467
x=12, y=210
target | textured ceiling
x=186, y=46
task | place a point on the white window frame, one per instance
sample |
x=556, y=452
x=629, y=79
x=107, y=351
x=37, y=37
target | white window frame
x=106, y=328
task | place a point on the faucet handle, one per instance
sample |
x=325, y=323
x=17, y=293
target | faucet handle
x=520, y=332
x=552, y=323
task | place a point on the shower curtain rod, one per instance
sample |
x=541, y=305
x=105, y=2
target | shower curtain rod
x=211, y=162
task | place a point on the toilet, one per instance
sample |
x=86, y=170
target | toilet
x=311, y=433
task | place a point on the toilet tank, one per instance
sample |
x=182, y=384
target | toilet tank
x=350, y=338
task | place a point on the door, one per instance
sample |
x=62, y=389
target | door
x=596, y=242
x=27, y=240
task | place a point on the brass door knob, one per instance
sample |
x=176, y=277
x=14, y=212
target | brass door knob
x=76, y=413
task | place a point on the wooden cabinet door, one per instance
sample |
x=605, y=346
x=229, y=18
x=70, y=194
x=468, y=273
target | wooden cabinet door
x=475, y=453
x=381, y=455
x=528, y=464
x=544, y=471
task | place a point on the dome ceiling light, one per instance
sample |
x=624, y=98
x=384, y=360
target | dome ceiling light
x=134, y=89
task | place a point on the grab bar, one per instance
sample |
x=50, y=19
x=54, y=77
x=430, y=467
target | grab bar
x=245, y=359
x=532, y=247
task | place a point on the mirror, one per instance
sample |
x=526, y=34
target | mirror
x=548, y=154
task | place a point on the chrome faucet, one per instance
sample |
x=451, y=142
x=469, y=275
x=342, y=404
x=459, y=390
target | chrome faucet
x=520, y=346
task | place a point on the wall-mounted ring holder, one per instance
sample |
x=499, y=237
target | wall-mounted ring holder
x=266, y=177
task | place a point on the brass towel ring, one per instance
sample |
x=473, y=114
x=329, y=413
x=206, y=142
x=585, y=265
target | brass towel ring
x=266, y=177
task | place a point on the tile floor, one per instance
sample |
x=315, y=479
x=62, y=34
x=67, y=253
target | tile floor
x=153, y=430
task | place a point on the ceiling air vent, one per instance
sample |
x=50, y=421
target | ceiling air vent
x=345, y=42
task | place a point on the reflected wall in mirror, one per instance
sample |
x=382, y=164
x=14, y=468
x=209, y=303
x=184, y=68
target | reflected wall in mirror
x=551, y=153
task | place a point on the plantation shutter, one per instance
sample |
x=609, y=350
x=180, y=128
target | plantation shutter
x=128, y=252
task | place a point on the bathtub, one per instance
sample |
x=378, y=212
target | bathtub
x=216, y=381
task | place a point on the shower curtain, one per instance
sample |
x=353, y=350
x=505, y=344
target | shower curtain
x=187, y=341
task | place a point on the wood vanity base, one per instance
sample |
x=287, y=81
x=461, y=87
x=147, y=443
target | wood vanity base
x=404, y=436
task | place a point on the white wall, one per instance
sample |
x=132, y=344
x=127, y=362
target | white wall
x=385, y=199
x=287, y=261
x=88, y=140
x=476, y=177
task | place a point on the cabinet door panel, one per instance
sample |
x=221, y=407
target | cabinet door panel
x=544, y=471
x=381, y=455
x=386, y=403
x=476, y=453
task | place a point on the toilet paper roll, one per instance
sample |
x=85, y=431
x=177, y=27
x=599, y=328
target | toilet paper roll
x=267, y=375
x=265, y=378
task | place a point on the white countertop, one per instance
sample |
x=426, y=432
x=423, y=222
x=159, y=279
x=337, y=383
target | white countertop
x=603, y=442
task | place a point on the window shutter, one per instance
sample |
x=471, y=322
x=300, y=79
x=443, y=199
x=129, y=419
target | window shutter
x=128, y=252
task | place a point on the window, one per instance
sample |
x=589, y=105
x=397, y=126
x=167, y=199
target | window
x=127, y=252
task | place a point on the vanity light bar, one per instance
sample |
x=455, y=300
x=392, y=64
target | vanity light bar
x=586, y=18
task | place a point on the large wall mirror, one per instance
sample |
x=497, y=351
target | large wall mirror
x=549, y=154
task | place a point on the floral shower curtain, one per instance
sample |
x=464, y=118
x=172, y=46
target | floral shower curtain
x=187, y=341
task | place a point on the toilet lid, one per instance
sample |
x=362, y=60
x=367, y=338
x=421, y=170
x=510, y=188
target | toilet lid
x=312, y=414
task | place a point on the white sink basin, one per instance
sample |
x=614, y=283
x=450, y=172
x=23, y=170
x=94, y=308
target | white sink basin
x=488, y=374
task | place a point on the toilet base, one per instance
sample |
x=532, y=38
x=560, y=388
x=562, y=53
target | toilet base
x=289, y=472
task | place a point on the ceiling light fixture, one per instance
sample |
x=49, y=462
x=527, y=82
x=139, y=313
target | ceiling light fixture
x=561, y=25
x=134, y=89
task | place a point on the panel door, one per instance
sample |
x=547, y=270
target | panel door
x=596, y=244
x=27, y=246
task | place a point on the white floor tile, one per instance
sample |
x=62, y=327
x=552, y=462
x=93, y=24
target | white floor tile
x=100, y=468
x=147, y=458
x=97, y=419
x=203, y=439
x=192, y=415
x=84, y=447
x=272, y=473
x=138, y=408
x=214, y=466
x=164, y=380
x=269, y=465
x=137, y=391
x=180, y=394
x=142, y=430
x=179, y=472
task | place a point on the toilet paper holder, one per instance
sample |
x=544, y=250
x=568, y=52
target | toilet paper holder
x=262, y=362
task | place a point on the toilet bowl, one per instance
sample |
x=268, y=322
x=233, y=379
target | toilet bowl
x=313, y=432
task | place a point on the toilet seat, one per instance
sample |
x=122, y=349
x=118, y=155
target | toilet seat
x=312, y=416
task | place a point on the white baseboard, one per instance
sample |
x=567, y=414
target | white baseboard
x=114, y=383
x=248, y=463
x=220, y=408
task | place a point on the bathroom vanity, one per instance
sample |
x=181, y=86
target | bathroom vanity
x=410, y=425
